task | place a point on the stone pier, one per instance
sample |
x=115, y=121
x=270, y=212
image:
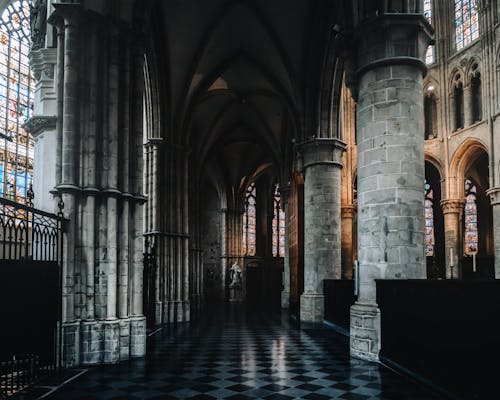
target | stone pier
x=390, y=164
x=322, y=167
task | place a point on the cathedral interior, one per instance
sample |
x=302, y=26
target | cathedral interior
x=249, y=199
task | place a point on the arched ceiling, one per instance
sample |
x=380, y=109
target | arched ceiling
x=236, y=76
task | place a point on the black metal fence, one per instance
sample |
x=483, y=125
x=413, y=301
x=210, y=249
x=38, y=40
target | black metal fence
x=31, y=246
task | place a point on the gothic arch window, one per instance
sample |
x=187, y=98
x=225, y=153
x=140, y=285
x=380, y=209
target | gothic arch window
x=476, y=94
x=249, y=220
x=458, y=98
x=466, y=22
x=429, y=220
x=16, y=102
x=430, y=113
x=470, y=218
x=429, y=55
x=278, y=226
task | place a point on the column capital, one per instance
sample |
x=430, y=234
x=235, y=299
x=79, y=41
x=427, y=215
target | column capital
x=322, y=151
x=452, y=206
x=154, y=142
x=69, y=12
x=40, y=123
x=390, y=39
x=43, y=61
x=494, y=194
x=347, y=211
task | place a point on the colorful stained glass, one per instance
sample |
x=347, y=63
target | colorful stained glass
x=278, y=226
x=429, y=220
x=466, y=22
x=470, y=211
x=429, y=55
x=16, y=102
x=249, y=220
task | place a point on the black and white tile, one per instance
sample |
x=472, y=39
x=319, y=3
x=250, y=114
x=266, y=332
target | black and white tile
x=236, y=354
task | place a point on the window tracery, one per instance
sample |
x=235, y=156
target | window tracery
x=16, y=102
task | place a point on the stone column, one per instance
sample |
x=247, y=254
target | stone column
x=390, y=52
x=452, y=213
x=347, y=213
x=42, y=125
x=467, y=104
x=322, y=165
x=494, y=194
x=68, y=184
x=285, y=294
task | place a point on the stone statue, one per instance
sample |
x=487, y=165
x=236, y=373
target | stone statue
x=235, y=283
x=38, y=19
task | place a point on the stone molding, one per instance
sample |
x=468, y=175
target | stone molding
x=388, y=39
x=39, y=124
x=322, y=151
x=494, y=194
x=71, y=12
x=95, y=191
x=43, y=63
x=347, y=211
x=452, y=206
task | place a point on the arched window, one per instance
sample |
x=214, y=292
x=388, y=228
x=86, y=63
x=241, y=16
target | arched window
x=430, y=114
x=477, y=112
x=470, y=211
x=429, y=55
x=278, y=226
x=429, y=220
x=249, y=220
x=466, y=22
x=16, y=102
x=458, y=97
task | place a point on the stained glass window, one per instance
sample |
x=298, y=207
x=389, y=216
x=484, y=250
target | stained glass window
x=249, y=220
x=16, y=102
x=278, y=226
x=429, y=55
x=466, y=22
x=470, y=211
x=429, y=220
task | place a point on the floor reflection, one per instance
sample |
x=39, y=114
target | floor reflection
x=234, y=353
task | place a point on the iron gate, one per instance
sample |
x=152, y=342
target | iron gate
x=31, y=243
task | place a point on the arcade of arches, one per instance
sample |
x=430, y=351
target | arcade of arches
x=292, y=138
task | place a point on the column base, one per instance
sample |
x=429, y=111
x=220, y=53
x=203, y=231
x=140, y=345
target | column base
x=159, y=313
x=285, y=299
x=312, y=307
x=111, y=348
x=91, y=333
x=71, y=344
x=137, y=336
x=365, y=331
x=124, y=344
x=179, y=311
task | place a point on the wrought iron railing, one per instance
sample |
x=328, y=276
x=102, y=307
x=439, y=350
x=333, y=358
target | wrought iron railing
x=27, y=233
x=30, y=238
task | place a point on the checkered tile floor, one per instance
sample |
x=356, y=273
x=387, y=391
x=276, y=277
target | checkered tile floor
x=237, y=354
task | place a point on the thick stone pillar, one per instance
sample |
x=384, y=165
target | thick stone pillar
x=494, y=194
x=347, y=213
x=452, y=214
x=390, y=51
x=322, y=165
x=285, y=294
x=68, y=184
